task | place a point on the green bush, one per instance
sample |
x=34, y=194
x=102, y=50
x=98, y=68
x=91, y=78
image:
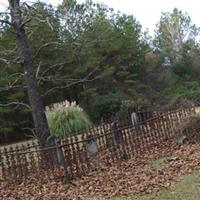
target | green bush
x=130, y=105
x=181, y=68
x=106, y=106
x=126, y=105
x=183, y=94
x=66, y=118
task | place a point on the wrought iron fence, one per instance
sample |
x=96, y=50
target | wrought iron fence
x=93, y=149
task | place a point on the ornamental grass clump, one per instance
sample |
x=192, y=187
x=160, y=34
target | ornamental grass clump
x=66, y=118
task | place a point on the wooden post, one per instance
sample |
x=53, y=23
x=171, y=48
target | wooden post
x=25, y=164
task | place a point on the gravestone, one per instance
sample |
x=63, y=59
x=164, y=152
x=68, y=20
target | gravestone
x=90, y=145
x=135, y=121
x=167, y=62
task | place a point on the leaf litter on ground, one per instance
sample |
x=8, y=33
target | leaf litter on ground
x=123, y=178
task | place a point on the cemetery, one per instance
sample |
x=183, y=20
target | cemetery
x=106, y=150
x=94, y=105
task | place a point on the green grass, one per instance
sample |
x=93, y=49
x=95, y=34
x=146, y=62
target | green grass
x=158, y=164
x=188, y=188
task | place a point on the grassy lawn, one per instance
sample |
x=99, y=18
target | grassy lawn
x=188, y=188
x=158, y=164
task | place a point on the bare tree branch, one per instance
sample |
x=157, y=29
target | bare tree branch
x=44, y=78
x=38, y=69
x=28, y=6
x=25, y=22
x=43, y=46
x=6, y=22
x=58, y=78
x=16, y=103
x=53, y=66
x=85, y=79
x=9, y=52
x=32, y=133
x=4, y=13
x=10, y=87
x=7, y=62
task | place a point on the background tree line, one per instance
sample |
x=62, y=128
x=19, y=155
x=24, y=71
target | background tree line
x=100, y=58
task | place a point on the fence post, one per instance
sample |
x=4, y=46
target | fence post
x=24, y=162
x=2, y=165
x=19, y=163
x=13, y=163
x=61, y=159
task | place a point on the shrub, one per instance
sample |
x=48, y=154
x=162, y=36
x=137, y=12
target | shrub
x=66, y=118
x=106, y=106
x=181, y=68
x=130, y=105
x=125, y=107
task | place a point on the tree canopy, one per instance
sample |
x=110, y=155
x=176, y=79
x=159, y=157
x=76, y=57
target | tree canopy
x=88, y=53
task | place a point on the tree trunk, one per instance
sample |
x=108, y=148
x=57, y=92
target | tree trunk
x=37, y=107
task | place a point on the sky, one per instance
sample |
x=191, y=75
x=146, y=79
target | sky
x=147, y=12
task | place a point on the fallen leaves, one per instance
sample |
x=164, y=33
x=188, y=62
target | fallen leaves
x=121, y=178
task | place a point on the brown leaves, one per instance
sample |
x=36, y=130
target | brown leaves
x=129, y=177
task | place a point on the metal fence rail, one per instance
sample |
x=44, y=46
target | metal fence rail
x=99, y=146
